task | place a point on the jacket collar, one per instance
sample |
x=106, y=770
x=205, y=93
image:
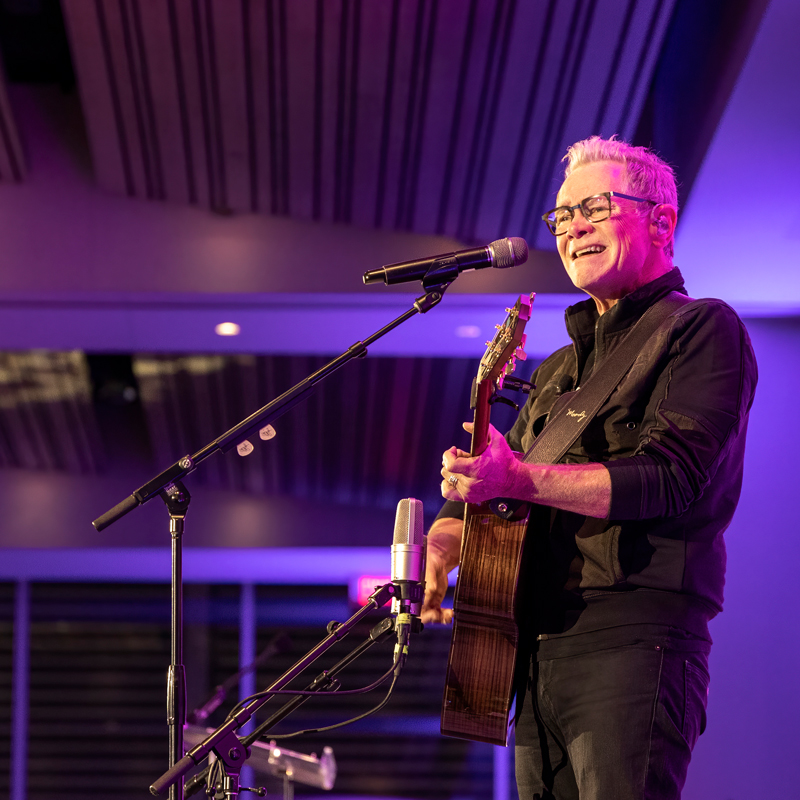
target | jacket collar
x=581, y=319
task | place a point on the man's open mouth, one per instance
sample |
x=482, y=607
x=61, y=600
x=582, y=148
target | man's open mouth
x=587, y=251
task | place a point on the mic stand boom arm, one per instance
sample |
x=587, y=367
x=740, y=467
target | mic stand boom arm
x=264, y=416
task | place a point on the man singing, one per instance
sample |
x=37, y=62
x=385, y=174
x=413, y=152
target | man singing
x=626, y=558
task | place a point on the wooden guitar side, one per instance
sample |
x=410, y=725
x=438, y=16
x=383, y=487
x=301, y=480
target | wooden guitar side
x=483, y=649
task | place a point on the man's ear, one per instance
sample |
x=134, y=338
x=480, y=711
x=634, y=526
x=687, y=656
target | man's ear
x=663, y=219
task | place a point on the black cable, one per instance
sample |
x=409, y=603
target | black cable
x=300, y=693
x=346, y=722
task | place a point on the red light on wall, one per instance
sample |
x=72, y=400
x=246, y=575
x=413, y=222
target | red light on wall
x=364, y=586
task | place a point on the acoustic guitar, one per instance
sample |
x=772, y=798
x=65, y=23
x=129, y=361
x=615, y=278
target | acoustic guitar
x=483, y=649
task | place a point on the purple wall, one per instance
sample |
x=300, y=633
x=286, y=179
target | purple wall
x=727, y=237
x=750, y=745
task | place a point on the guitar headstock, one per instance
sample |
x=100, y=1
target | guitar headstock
x=507, y=345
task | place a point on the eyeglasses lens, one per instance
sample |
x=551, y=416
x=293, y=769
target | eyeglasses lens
x=594, y=209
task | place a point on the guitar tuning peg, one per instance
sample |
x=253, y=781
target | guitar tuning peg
x=497, y=327
x=244, y=448
x=520, y=354
x=267, y=433
x=509, y=310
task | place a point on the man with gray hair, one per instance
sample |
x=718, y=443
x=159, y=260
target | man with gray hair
x=625, y=559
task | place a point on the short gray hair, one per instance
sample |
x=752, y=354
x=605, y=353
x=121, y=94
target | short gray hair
x=648, y=175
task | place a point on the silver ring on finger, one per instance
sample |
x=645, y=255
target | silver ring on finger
x=453, y=480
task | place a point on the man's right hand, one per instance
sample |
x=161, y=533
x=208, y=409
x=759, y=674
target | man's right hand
x=443, y=552
x=435, y=590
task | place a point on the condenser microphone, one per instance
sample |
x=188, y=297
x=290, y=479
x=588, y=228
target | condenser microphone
x=408, y=575
x=408, y=557
x=435, y=270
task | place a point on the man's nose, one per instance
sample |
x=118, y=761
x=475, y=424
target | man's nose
x=579, y=225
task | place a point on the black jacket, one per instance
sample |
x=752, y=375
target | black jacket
x=672, y=436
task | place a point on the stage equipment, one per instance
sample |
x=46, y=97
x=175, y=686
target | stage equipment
x=445, y=268
x=409, y=569
x=280, y=762
x=231, y=752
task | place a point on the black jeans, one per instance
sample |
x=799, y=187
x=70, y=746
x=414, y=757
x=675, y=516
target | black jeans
x=614, y=717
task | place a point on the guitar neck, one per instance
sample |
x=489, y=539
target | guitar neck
x=482, y=409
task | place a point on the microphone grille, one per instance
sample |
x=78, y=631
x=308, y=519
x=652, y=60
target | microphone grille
x=509, y=252
x=408, y=523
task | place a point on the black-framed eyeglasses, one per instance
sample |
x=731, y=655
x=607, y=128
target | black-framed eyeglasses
x=594, y=209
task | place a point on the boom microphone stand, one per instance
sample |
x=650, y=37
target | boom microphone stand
x=168, y=486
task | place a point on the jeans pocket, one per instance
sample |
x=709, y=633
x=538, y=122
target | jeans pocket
x=696, y=683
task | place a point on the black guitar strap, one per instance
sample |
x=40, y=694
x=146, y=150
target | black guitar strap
x=561, y=432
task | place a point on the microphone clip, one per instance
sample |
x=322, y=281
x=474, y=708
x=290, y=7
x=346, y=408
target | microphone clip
x=432, y=297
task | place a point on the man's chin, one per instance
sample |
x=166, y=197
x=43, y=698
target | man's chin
x=582, y=279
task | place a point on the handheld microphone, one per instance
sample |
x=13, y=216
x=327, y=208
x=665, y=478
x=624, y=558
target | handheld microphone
x=435, y=270
x=408, y=572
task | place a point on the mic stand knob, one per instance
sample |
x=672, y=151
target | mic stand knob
x=231, y=789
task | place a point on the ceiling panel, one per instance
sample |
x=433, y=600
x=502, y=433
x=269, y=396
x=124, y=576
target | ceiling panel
x=46, y=417
x=436, y=116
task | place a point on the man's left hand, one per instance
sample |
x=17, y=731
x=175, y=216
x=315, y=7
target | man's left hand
x=480, y=478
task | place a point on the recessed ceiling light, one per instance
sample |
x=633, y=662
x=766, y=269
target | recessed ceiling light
x=227, y=329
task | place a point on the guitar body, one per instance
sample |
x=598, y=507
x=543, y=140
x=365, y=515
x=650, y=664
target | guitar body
x=483, y=649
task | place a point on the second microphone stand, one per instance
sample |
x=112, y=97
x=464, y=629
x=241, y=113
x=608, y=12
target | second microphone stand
x=230, y=750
